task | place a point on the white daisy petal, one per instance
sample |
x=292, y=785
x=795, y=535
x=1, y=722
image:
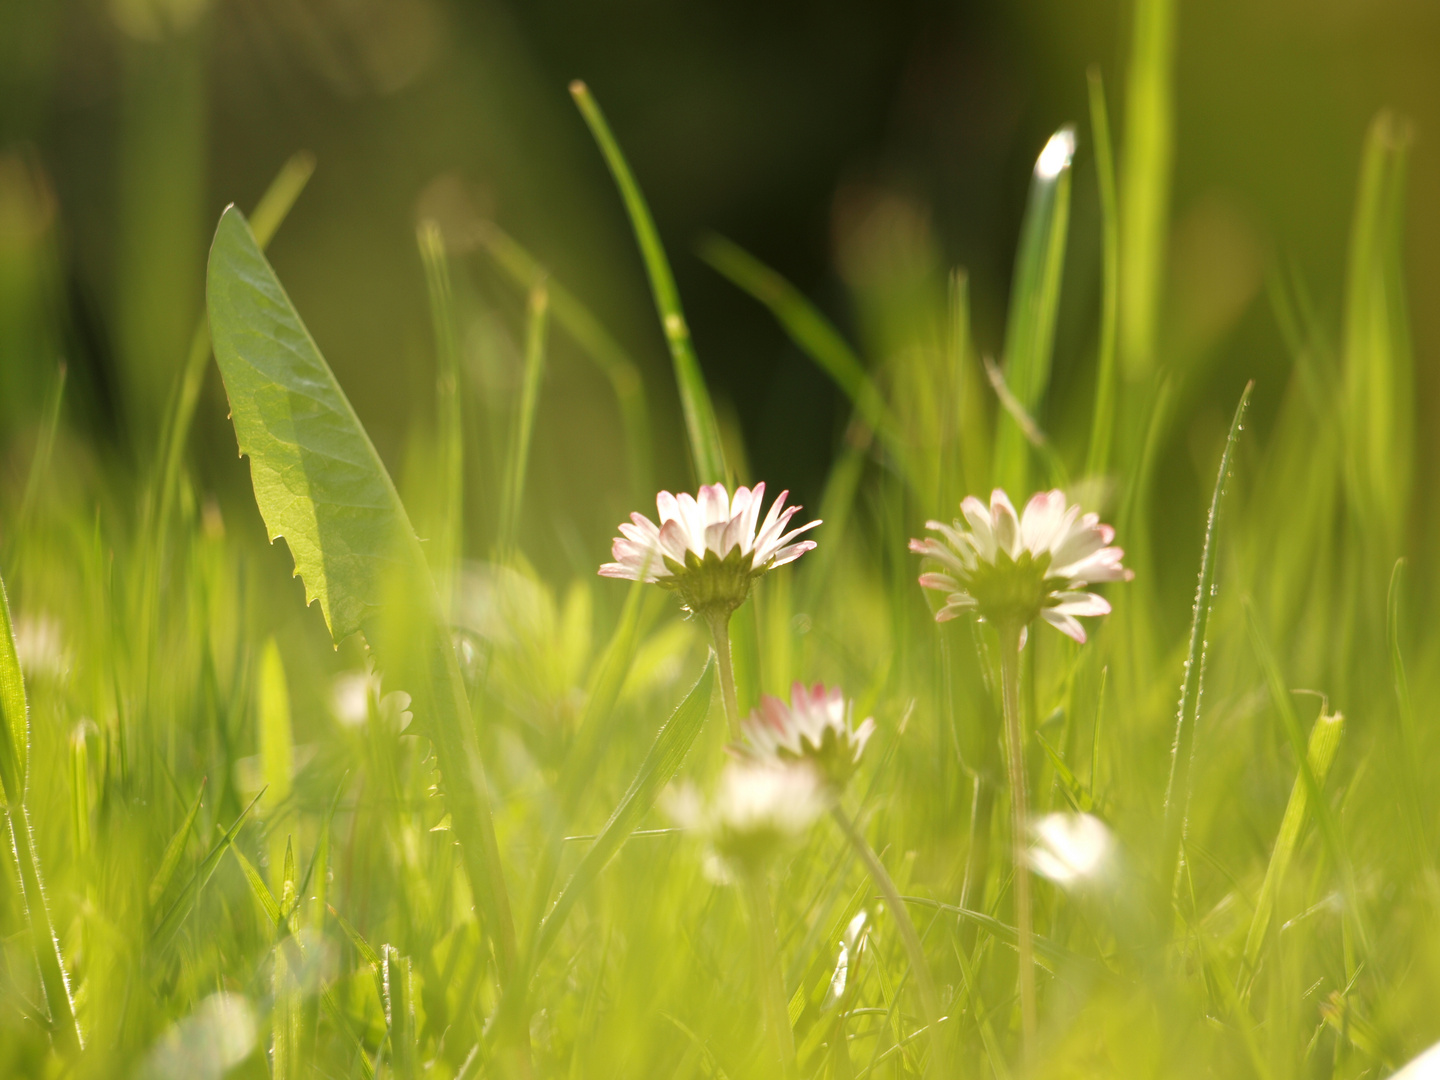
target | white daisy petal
x=1004, y=523
x=1066, y=624
x=1081, y=603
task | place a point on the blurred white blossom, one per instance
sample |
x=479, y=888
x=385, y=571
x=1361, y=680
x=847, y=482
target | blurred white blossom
x=757, y=811
x=213, y=1039
x=1071, y=849
x=816, y=727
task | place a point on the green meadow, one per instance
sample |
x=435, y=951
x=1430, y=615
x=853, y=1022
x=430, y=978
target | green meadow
x=346, y=762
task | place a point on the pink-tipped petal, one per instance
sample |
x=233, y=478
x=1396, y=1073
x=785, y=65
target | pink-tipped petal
x=1066, y=624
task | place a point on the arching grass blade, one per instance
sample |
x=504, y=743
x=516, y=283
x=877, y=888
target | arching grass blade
x=705, y=448
x=1177, y=791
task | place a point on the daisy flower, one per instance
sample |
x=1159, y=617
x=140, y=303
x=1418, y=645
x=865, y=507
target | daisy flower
x=758, y=810
x=708, y=548
x=1011, y=568
x=815, y=727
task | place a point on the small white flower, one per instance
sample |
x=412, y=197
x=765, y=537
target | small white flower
x=757, y=811
x=1424, y=1067
x=815, y=727
x=708, y=548
x=40, y=646
x=1010, y=569
x=1071, y=849
x=213, y=1039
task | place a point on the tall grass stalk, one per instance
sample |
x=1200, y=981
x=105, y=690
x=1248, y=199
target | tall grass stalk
x=1011, y=637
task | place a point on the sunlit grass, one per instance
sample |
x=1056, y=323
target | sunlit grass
x=264, y=855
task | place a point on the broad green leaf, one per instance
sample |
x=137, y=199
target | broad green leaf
x=706, y=450
x=1145, y=180
x=661, y=762
x=1034, y=303
x=1177, y=791
x=320, y=484
x=270, y=212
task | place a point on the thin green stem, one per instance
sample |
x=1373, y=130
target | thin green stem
x=768, y=974
x=1015, y=760
x=924, y=980
x=56, y=985
x=720, y=631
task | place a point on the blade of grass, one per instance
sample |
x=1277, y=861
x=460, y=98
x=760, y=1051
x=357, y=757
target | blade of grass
x=974, y=434
x=1035, y=301
x=14, y=775
x=44, y=450
x=277, y=751
x=448, y=543
x=523, y=426
x=263, y=896
x=1145, y=180
x=594, y=340
x=170, y=924
x=1320, y=754
x=1377, y=376
x=176, y=848
x=1102, y=426
x=1312, y=779
x=594, y=734
x=665, y=756
x=1404, y=702
x=811, y=331
x=1177, y=791
x=707, y=453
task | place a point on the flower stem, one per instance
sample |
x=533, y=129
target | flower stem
x=720, y=631
x=768, y=973
x=924, y=981
x=1015, y=760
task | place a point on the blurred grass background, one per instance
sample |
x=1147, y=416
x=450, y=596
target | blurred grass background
x=864, y=152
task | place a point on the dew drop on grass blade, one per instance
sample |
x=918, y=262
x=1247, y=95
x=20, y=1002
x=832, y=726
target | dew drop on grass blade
x=1177, y=791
